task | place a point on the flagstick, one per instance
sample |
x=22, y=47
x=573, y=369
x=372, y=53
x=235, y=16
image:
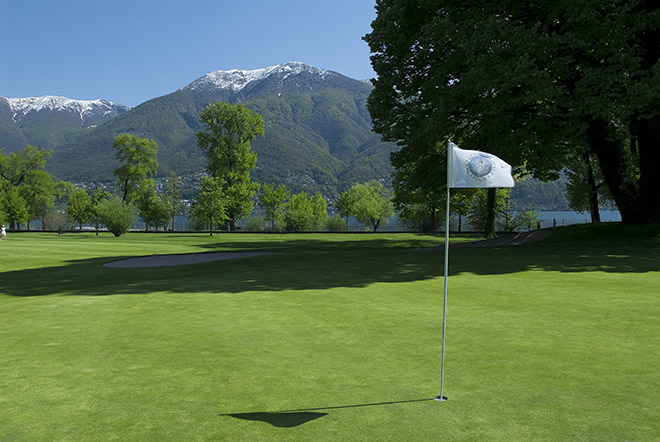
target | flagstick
x=444, y=305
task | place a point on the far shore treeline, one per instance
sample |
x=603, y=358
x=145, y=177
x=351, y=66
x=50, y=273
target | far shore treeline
x=225, y=195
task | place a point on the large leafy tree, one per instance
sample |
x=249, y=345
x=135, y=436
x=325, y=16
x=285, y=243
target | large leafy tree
x=529, y=81
x=38, y=191
x=14, y=207
x=80, y=207
x=373, y=205
x=209, y=207
x=138, y=158
x=272, y=199
x=30, y=189
x=229, y=130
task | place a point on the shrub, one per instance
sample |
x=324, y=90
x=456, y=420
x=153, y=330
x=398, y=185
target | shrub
x=336, y=223
x=117, y=215
x=255, y=223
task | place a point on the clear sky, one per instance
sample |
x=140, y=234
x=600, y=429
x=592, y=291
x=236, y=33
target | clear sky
x=129, y=51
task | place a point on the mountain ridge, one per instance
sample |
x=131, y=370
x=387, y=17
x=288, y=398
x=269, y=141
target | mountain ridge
x=318, y=130
x=50, y=121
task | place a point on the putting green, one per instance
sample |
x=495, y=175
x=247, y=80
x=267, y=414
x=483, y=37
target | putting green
x=335, y=337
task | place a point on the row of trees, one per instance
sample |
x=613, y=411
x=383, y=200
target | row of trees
x=226, y=195
x=27, y=191
x=547, y=86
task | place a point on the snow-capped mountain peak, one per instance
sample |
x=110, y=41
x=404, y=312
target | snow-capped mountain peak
x=20, y=107
x=237, y=79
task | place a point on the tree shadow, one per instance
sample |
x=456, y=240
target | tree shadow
x=294, y=418
x=281, y=420
x=303, y=264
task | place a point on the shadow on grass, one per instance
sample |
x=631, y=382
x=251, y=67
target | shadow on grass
x=282, y=420
x=294, y=418
x=325, y=264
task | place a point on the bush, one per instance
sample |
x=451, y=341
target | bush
x=336, y=223
x=116, y=215
x=54, y=220
x=303, y=213
x=255, y=223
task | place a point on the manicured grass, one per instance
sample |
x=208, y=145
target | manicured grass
x=335, y=338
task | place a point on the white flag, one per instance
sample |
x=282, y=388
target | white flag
x=471, y=168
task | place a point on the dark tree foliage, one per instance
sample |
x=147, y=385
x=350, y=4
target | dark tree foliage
x=531, y=82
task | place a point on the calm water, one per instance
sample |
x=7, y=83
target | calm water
x=565, y=218
x=562, y=218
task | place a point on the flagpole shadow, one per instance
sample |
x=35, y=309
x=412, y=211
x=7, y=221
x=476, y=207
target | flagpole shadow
x=294, y=418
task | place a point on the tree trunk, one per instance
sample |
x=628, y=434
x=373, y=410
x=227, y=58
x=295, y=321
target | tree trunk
x=648, y=141
x=615, y=165
x=125, y=190
x=593, y=190
x=490, y=213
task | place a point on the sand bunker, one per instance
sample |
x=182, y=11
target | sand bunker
x=182, y=259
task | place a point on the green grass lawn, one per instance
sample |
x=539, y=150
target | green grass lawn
x=337, y=337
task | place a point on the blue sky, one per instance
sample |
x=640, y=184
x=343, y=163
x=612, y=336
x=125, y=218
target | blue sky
x=129, y=51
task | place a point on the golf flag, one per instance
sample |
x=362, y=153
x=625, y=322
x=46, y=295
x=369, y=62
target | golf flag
x=471, y=168
x=467, y=169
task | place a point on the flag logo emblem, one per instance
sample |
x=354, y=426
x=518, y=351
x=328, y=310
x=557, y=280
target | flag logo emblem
x=479, y=166
x=473, y=168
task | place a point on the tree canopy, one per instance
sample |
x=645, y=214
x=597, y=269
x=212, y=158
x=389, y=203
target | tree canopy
x=372, y=204
x=208, y=207
x=28, y=190
x=531, y=82
x=229, y=129
x=138, y=157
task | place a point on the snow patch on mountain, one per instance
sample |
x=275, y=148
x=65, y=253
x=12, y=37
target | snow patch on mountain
x=237, y=79
x=84, y=108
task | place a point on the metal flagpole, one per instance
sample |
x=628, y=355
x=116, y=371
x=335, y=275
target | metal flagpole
x=444, y=303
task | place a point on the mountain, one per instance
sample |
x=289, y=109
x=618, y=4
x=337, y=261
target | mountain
x=318, y=133
x=49, y=122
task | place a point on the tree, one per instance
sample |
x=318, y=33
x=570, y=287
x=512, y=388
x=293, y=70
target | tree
x=117, y=215
x=319, y=211
x=304, y=213
x=229, y=129
x=172, y=197
x=38, y=190
x=208, y=207
x=372, y=204
x=480, y=209
x=80, y=208
x=23, y=171
x=530, y=82
x=153, y=209
x=98, y=196
x=271, y=201
x=345, y=205
x=586, y=188
x=14, y=207
x=138, y=157
x=461, y=203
